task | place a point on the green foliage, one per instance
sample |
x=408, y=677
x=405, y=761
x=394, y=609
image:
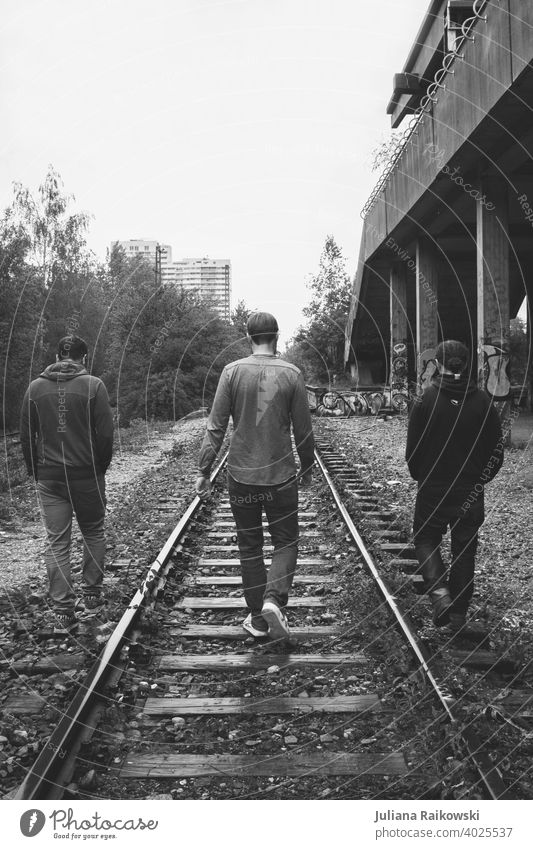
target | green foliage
x=382, y=154
x=21, y=326
x=318, y=346
x=240, y=316
x=520, y=351
x=160, y=350
x=50, y=285
x=56, y=239
x=166, y=347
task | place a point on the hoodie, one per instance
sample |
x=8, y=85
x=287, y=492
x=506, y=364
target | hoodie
x=454, y=436
x=66, y=425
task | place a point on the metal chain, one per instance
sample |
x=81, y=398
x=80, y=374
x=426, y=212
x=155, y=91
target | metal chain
x=427, y=101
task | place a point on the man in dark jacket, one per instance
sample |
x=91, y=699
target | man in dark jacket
x=454, y=447
x=66, y=432
x=265, y=396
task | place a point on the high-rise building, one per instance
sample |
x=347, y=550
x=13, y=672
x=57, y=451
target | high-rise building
x=211, y=278
x=138, y=247
x=147, y=249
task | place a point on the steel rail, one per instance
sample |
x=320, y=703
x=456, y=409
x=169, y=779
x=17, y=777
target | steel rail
x=487, y=772
x=40, y=781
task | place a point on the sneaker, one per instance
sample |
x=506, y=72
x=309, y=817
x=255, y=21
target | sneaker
x=93, y=604
x=441, y=602
x=250, y=626
x=93, y=601
x=461, y=628
x=278, y=627
x=64, y=622
x=457, y=622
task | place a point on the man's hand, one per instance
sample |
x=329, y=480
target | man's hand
x=203, y=487
x=306, y=480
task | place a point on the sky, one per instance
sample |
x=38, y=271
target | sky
x=239, y=129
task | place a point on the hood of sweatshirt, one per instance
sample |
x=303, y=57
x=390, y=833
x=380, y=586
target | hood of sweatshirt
x=63, y=370
x=455, y=386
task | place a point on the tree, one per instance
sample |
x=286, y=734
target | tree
x=21, y=329
x=57, y=280
x=520, y=354
x=42, y=250
x=160, y=349
x=319, y=345
x=240, y=316
x=383, y=153
x=56, y=238
x=166, y=346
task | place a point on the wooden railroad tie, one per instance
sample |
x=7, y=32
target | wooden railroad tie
x=175, y=706
x=47, y=665
x=232, y=532
x=235, y=632
x=235, y=580
x=223, y=524
x=229, y=548
x=254, y=660
x=225, y=563
x=25, y=704
x=297, y=764
x=302, y=514
x=201, y=603
x=405, y=550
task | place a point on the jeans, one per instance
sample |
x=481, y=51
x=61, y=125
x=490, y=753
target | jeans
x=438, y=507
x=58, y=501
x=281, y=507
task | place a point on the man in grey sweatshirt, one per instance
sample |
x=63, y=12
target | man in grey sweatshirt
x=66, y=433
x=264, y=395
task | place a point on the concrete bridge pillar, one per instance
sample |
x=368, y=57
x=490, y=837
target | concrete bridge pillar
x=427, y=319
x=398, y=336
x=493, y=255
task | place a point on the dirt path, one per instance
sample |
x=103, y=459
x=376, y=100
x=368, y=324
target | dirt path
x=22, y=549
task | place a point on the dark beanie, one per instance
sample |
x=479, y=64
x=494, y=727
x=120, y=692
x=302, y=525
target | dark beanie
x=453, y=356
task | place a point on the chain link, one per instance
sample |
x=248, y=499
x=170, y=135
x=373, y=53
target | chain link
x=425, y=104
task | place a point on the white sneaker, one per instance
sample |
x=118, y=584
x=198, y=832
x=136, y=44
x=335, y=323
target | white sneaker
x=278, y=627
x=251, y=629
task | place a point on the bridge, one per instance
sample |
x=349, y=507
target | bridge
x=447, y=243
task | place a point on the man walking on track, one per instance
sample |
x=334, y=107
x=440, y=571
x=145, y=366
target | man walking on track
x=66, y=433
x=454, y=447
x=264, y=395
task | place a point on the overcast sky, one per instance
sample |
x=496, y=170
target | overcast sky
x=238, y=129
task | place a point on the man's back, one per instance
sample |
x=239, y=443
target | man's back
x=67, y=411
x=453, y=432
x=66, y=434
x=263, y=394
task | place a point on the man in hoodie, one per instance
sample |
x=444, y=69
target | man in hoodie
x=454, y=447
x=264, y=395
x=66, y=433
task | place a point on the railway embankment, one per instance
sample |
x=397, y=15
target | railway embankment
x=502, y=605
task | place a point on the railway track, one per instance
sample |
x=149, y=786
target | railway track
x=181, y=704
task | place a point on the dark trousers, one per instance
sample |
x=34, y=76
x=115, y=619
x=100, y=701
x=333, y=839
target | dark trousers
x=280, y=504
x=58, y=501
x=436, y=509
